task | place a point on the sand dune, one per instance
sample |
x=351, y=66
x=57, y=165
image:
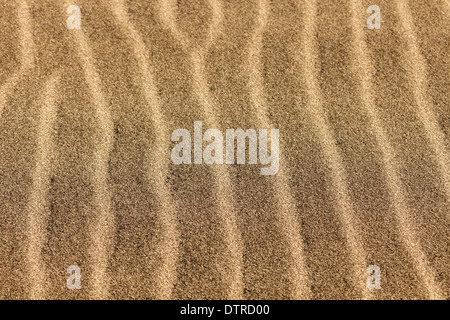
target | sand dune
x=415, y=66
x=203, y=95
x=393, y=180
x=102, y=228
x=87, y=177
x=156, y=167
x=283, y=196
x=27, y=53
x=38, y=204
x=308, y=65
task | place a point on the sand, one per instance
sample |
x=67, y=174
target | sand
x=86, y=176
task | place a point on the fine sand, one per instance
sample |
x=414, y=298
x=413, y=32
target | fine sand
x=86, y=176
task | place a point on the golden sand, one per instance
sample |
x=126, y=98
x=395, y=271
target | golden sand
x=86, y=176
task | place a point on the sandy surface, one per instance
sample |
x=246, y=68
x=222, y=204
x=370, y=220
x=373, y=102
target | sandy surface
x=86, y=177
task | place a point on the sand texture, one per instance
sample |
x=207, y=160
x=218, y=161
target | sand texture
x=86, y=176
